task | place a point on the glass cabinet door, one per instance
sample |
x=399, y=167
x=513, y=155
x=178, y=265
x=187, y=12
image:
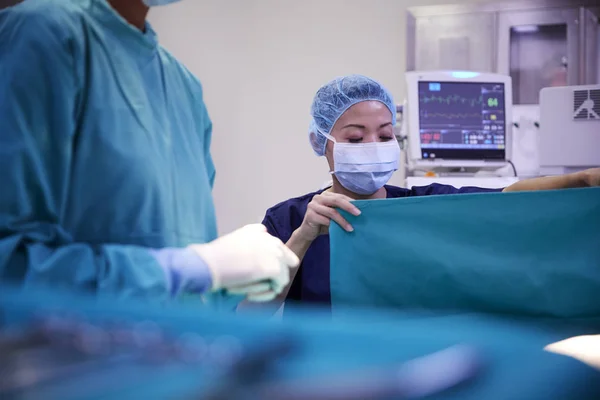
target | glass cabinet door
x=538, y=49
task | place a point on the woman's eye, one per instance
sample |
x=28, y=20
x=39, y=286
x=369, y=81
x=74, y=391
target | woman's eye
x=355, y=140
x=385, y=138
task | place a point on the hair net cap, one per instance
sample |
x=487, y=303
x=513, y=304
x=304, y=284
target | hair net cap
x=333, y=99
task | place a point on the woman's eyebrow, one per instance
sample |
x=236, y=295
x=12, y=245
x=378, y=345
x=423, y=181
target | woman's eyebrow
x=355, y=126
x=364, y=127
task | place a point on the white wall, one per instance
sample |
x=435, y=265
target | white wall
x=261, y=62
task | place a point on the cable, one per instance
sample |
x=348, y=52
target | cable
x=402, y=141
x=513, y=167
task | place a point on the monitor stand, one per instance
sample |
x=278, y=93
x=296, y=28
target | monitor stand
x=489, y=175
x=463, y=167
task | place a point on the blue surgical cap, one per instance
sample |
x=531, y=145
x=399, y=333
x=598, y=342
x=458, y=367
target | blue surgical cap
x=333, y=99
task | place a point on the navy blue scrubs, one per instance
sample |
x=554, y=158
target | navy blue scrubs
x=311, y=284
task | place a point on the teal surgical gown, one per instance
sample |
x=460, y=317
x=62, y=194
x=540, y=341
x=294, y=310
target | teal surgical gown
x=104, y=150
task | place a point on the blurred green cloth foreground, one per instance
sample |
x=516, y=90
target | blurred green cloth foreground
x=514, y=364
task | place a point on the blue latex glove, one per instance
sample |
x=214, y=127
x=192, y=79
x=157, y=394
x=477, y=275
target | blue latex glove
x=185, y=270
x=247, y=261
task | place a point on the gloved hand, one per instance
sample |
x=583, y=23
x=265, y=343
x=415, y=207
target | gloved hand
x=248, y=261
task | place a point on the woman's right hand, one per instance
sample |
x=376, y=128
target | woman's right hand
x=321, y=210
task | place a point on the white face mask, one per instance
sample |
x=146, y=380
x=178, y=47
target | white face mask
x=153, y=3
x=364, y=168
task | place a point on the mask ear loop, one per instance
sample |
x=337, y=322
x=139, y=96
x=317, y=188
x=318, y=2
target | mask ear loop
x=329, y=137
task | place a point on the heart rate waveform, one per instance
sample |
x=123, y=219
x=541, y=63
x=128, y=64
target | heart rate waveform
x=452, y=116
x=453, y=99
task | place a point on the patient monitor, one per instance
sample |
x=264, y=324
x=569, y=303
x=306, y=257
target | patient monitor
x=569, y=137
x=457, y=119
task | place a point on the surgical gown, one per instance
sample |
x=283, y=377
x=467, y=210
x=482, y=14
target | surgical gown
x=104, y=150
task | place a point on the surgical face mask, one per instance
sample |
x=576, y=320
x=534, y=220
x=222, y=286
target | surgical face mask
x=153, y=3
x=363, y=168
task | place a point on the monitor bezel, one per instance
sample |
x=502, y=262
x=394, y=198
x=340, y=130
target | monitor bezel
x=412, y=110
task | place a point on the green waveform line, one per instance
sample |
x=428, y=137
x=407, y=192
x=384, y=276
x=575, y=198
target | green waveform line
x=453, y=99
x=450, y=115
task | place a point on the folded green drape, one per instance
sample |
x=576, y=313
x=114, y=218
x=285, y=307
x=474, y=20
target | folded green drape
x=525, y=254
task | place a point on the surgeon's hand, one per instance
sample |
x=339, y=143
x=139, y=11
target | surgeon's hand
x=587, y=178
x=591, y=176
x=321, y=210
x=249, y=261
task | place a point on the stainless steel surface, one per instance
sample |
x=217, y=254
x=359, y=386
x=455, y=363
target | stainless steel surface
x=582, y=44
x=478, y=37
x=492, y=7
x=590, y=45
x=495, y=41
x=463, y=42
x=411, y=42
x=597, y=48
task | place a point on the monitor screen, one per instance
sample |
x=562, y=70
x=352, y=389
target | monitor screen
x=462, y=120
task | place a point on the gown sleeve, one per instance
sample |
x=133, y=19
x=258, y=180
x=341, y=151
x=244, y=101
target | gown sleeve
x=39, y=96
